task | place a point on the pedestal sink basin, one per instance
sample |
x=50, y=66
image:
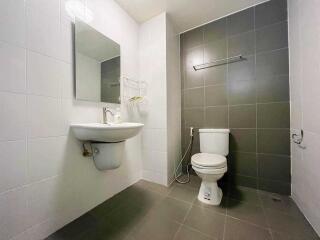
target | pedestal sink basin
x=106, y=133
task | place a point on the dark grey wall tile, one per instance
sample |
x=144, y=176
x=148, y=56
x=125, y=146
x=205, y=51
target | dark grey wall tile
x=216, y=95
x=243, y=70
x=274, y=141
x=193, y=97
x=272, y=63
x=250, y=96
x=240, y=22
x=240, y=180
x=193, y=78
x=242, y=92
x=273, y=88
x=274, y=167
x=193, y=56
x=215, y=75
x=242, y=116
x=275, y=186
x=216, y=117
x=241, y=44
x=274, y=115
x=186, y=137
x=215, y=30
x=192, y=38
x=243, y=140
x=215, y=50
x=272, y=37
x=243, y=163
x=270, y=12
x=194, y=117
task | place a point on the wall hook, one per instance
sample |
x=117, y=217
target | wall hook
x=298, y=139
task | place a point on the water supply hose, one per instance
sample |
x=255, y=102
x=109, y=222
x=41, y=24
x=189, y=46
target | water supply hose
x=189, y=149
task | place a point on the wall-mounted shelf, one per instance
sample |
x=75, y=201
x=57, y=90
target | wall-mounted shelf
x=219, y=62
x=134, y=90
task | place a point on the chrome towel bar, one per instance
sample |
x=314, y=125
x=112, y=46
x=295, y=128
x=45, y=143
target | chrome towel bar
x=219, y=62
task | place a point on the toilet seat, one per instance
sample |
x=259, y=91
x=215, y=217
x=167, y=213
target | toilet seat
x=208, y=161
x=210, y=170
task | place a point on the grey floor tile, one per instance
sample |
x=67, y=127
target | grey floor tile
x=76, y=228
x=153, y=187
x=244, y=194
x=239, y=230
x=127, y=218
x=172, y=209
x=195, y=181
x=144, y=211
x=207, y=222
x=187, y=233
x=280, y=203
x=104, y=232
x=246, y=212
x=295, y=227
x=285, y=236
x=156, y=228
x=219, y=209
x=183, y=193
x=141, y=197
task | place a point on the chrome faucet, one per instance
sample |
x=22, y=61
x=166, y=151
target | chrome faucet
x=105, y=112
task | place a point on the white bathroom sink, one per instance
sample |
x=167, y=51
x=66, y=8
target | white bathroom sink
x=98, y=132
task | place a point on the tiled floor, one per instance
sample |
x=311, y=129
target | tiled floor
x=148, y=211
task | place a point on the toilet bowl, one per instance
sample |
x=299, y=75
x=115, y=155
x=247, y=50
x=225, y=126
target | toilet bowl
x=211, y=164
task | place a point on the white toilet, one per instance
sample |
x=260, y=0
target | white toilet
x=211, y=164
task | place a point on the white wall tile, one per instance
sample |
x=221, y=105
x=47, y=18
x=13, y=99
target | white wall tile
x=68, y=81
x=48, y=198
x=46, y=157
x=13, y=164
x=43, y=27
x=65, y=43
x=14, y=213
x=44, y=117
x=155, y=161
x=59, y=176
x=45, y=75
x=12, y=68
x=305, y=101
x=12, y=18
x=12, y=116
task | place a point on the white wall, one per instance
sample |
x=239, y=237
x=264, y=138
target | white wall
x=88, y=74
x=152, y=65
x=44, y=180
x=304, y=42
x=173, y=99
x=159, y=59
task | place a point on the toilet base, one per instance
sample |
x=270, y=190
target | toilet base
x=210, y=193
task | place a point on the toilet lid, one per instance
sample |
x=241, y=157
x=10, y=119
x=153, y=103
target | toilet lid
x=209, y=160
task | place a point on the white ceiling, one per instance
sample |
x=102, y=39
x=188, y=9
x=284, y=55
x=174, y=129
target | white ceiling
x=185, y=14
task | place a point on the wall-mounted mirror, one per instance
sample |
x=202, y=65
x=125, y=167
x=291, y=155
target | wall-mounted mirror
x=97, y=65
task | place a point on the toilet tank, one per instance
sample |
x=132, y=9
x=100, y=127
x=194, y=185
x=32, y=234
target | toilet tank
x=214, y=141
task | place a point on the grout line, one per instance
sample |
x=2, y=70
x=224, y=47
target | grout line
x=227, y=83
x=178, y=230
x=256, y=95
x=259, y=153
x=265, y=215
x=272, y=51
x=196, y=230
x=270, y=25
